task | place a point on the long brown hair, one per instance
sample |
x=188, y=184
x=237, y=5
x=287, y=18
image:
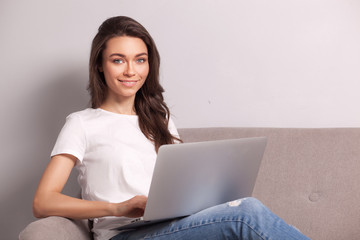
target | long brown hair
x=150, y=107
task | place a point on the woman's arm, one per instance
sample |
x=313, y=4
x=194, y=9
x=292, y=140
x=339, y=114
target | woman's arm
x=49, y=201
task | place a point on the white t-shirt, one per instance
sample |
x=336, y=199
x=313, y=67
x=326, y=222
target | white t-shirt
x=115, y=159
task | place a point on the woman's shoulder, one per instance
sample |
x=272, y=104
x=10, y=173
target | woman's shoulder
x=84, y=115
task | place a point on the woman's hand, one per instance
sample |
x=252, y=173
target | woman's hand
x=131, y=208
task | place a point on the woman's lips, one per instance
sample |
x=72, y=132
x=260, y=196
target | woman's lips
x=128, y=83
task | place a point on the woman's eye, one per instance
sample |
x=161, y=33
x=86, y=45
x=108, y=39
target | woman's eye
x=118, y=61
x=141, y=60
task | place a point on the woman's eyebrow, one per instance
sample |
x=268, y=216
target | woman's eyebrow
x=141, y=54
x=122, y=55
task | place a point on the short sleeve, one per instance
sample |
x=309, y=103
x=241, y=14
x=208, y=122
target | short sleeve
x=71, y=139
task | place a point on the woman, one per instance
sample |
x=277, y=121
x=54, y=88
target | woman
x=114, y=144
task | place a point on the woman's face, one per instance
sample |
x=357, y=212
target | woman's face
x=125, y=66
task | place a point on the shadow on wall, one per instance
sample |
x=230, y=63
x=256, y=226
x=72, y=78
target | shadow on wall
x=48, y=109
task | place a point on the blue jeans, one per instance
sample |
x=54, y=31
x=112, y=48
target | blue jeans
x=243, y=219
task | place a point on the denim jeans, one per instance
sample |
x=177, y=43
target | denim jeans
x=245, y=219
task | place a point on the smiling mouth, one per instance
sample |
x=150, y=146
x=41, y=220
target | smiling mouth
x=128, y=81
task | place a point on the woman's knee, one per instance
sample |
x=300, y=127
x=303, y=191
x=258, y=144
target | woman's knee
x=250, y=207
x=245, y=208
x=250, y=202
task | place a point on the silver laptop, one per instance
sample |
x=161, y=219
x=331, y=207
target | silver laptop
x=190, y=177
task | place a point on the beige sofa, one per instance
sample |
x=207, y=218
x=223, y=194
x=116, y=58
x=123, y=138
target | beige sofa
x=309, y=177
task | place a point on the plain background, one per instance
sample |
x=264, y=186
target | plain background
x=260, y=63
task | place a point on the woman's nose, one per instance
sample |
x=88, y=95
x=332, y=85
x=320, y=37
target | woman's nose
x=129, y=71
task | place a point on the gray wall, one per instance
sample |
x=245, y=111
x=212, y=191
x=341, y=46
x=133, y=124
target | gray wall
x=280, y=63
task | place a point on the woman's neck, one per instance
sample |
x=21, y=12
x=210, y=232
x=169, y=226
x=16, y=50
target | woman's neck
x=123, y=106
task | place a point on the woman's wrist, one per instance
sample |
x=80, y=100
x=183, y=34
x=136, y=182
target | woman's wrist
x=114, y=209
x=111, y=209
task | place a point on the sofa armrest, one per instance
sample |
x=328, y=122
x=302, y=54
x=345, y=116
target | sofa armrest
x=56, y=228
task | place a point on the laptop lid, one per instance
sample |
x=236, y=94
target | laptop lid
x=190, y=177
